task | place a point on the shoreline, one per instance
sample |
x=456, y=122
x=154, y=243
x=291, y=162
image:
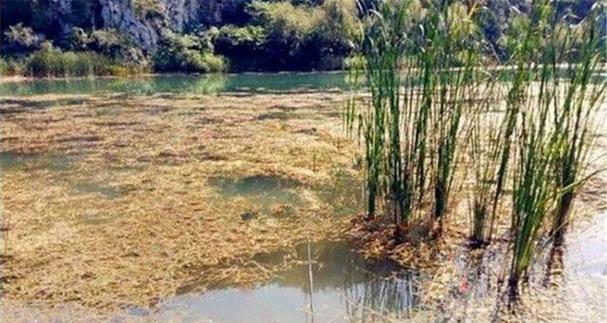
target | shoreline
x=20, y=78
x=602, y=71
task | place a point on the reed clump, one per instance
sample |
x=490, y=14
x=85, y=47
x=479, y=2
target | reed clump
x=412, y=136
x=439, y=101
x=53, y=62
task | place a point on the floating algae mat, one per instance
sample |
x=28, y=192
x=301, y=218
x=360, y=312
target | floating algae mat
x=336, y=285
x=154, y=207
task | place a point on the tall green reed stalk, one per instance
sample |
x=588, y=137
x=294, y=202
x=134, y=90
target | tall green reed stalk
x=485, y=143
x=533, y=187
x=555, y=134
x=383, y=46
x=411, y=127
x=577, y=101
x=451, y=34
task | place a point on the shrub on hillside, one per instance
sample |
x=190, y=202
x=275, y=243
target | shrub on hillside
x=3, y=67
x=187, y=53
x=110, y=43
x=21, y=38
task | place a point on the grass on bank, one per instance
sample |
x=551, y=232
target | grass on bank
x=53, y=62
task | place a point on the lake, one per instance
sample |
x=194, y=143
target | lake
x=156, y=199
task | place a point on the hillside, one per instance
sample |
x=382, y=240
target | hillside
x=207, y=35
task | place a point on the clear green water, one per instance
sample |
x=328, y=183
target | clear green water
x=52, y=162
x=197, y=84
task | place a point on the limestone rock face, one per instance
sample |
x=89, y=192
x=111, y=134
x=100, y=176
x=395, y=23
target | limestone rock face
x=144, y=20
x=120, y=15
x=145, y=28
x=183, y=13
x=176, y=15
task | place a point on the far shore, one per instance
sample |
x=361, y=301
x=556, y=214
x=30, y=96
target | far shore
x=20, y=78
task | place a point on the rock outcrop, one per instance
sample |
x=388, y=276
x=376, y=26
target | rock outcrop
x=120, y=15
x=144, y=20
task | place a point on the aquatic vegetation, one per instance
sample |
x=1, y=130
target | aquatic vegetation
x=52, y=62
x=157, y=206
x=554, y=136
x=411, y=137
x=575, y=121
x=484, y=148
x=432, y=94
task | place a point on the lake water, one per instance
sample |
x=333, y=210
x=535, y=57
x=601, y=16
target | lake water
x=334, y=284
x=330, y=282
x=191, y=84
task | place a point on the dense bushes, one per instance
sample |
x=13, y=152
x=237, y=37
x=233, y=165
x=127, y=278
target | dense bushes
x=3, y=67
x=187, y=53
x=109, y=43
x=260, y=35
x=287, y=36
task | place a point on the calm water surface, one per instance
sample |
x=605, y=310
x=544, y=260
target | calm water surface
x=333, y=285
x=196, y=84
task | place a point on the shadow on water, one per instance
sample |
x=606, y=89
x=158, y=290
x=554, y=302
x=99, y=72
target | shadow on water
x=337, y=285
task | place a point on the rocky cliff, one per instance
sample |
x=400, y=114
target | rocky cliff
x=144, y=20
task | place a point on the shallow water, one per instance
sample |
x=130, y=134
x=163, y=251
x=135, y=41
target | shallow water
x=52, y=162
x=266, y=191
x=345, y=287
x=338, y=285
x=587, y=249
x=191, y=84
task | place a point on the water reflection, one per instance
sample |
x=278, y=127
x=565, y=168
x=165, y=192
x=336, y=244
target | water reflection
x=337, y=285
x=197, y=84
x=192, y=84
